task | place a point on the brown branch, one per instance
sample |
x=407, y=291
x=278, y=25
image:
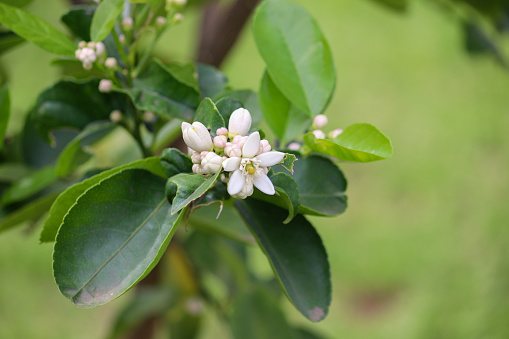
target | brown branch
x=221, y=28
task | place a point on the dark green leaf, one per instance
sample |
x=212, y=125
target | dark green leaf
x=289, y=161
x=285, y=120
x=5, y=109
x=226, y=106
x=249, y=101
x=208, y=115
x=65, y=200
x=301, y=333
x=158, y=91
x=33, y=210
x=36, y=30
x=9, y=40
x=296, y=254
x=185, y=73
x=174, y=162
x=189, y=188
x=257, y=315
x=321, y=184
x=358, y=142
x=104, y=18
x=74, y=154
x=297, y=56
x=79, y=21
x=113, y=237
x=212, y=82
x=29, y=185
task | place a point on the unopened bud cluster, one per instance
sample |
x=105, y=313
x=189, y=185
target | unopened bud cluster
x=319, y=122
x=246, y=157
x=90, y=52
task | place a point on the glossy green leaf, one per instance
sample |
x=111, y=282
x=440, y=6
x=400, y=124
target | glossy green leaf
x=74, y=153
x=297, y=56
x=158, y=91
x=65, y=200
x=174, y=162
x=73, y=105
x=249, y=101
x=185, y=73
x=296, y=254
x=104, y=18
x=358, y=142
x=289, y=162
x=113, y=237
x=257, y=315
x=189, y=188
x=321, y=185
x=9, y=40
x=208, y=114
x=226, y=106
x=212, y=81
x=29, y=185
x=36, y=30
x=5, y=110
x=31, y=211
x=286, y=121
x=79, y=21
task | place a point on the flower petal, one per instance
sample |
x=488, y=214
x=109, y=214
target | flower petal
x=236, y=182
x=270, y=158
x=251, y=146
x=263, y=183
x=231, y=164
x=185, y=125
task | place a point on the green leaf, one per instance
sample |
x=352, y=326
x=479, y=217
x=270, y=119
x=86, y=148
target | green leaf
x=67, y=198
x=257, y=315
x=104, y=18
x=159, y=91
x=9, y=40
x=74, y=154
x=398, y=5
x=189, y=188
x=113, y=237
x=289, y=161
x=174, y=162
x=185, y=73
x=358, y=142
x=286, y=121
x=208, y=115
x=226, y=106
x=249, y=101
x=29, y=185
x=296, y=254
x=10, y=172
x=16, y=3
x=297, y=56
x=73, y=105
x=5, y=109
x=301, y=333
x=79, y=21
x=321, y=185
x=36, y=30
x=33, y=210
x=212, y=82
x=152, y=3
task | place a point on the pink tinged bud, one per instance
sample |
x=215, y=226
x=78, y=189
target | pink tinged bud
x=160, y=22
x=264, y=146
x=233, y=151
x=121, y=37
x=178, y=17
x=197, y=169
x=196, y=157
x=82, y=44
x=240, y=122
x=100, y=49
x=204, y=154
x=105, y=86
x=319, y=134
x=116, y=116
x=91, y=45
x=127, y=24
x=294, y=146
x=222, y=131
x=211, y=163
x=196, y=136
x=111, y=63
x=336, y=132
x=320, y=121
x=220, y=141
x=87, y=56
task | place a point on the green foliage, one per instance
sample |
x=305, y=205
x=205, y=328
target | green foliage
x=212, y=82
x=174, y=162
x=79, y=21
x=208, y=114
x=189, y=188
x=29, y=185
x=36, y=30
x=104, y=18
x=9, y=40
x=5, y=109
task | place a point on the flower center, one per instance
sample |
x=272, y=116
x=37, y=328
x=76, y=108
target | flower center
x=250, y=168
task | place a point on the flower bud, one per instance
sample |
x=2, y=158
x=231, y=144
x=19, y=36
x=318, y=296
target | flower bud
x=319, y=134
x=247, y=190
x=160, y=22
x=87, y=55
x=116, y=116
x=91, y=44
x=178, y=17
x=240, y=122
x=196, y=157
x=335, y=133
x=211, y=163
x=233, y=150
x=121, y=37
x=100, y=49
x=222, y=131
x=127, y=24
x=197, y=169
x=294, y=146
x=220, y=142
x=239, y=140
x=320, y=121
x=105, y=86
x=264, y=146
x=148, y=116
x=196, y=136
x=111, y=63
x=82, y=44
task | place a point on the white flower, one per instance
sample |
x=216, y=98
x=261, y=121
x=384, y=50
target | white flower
x=105, y=86
x=250, y=169
x=240, y=122
x=211, y=163
x=196, y=136
x=320, y=121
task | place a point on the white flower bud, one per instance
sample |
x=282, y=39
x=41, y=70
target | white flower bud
x=91, y=45
x=87, y=66
x=77, y=53
x=127, y=24
x=116, y=116
x=121, y=37
x=160, y=22
x=264, y=146
x=87, y=56
x=247, y=190
x=211, y=163
x=335, y=133
x=100, y=49
x=196, y=157
x=239, y=140
x=197, y=136
x=319, y=134
x=240, y=122
x=178, y=17
x=294, y=146
x=111, y=63
x=220, y=142
x=148, y=116
x=222, y=131
x=105, y=86
x=197, y=169
x=320, y=121
x=233, y=150
x=82, y=44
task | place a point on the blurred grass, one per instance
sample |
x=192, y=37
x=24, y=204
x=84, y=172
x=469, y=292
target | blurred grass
x=422, y=251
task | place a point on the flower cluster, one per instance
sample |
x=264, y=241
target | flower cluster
x=89, y=52
x=244, y=158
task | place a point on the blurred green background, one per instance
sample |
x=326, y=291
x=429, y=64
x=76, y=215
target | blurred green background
x=423, y=249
